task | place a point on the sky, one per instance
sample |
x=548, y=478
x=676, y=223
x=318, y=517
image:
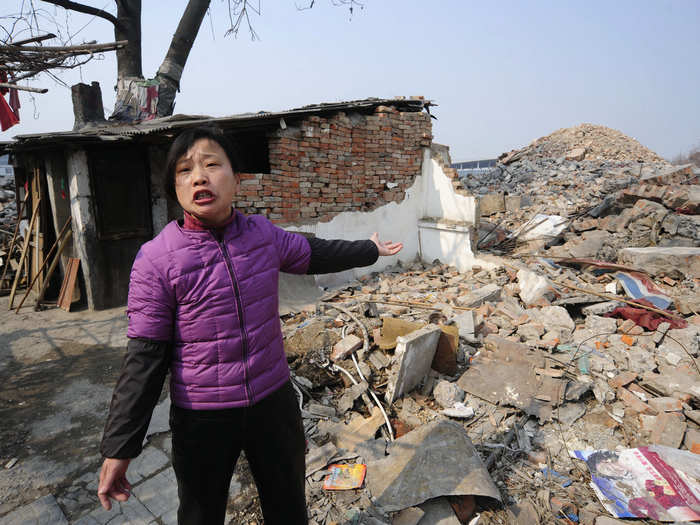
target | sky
x=502, y=73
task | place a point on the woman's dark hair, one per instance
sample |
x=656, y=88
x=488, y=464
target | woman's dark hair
x=601, y=456
x=184, y=141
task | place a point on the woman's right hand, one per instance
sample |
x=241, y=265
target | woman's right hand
x=113, y=482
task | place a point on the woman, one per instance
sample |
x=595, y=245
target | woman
x=203, y=304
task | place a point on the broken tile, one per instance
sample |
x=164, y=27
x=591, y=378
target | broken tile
x=669, y=430
x=475, y=298
x=345, y=347
x=665, y=404
x=636, y=404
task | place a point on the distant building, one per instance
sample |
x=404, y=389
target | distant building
x=473, y=167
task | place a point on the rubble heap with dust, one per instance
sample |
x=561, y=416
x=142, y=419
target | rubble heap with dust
x=578, y=332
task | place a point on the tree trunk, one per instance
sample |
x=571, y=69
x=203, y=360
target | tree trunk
x=170, y=71
x=128, y=27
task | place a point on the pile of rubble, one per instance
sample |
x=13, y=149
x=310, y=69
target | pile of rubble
x=585, y=141
x=502, y=394
x=458, y=391
x=8, y=207
x=8, y=218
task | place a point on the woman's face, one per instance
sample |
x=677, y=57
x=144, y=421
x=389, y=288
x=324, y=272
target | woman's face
x=205, y=183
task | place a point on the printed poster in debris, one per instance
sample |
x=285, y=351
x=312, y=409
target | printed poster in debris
x=345, y=477
x=638, y=483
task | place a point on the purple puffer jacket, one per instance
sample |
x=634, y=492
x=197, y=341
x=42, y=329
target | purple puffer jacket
x=216, y=300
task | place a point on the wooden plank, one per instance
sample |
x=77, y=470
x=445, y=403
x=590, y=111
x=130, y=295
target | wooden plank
x=23, y=256
x=65, y=297
x=54, y=264
x=46, y=260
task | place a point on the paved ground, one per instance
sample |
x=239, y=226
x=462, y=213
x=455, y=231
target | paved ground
x=57, y=372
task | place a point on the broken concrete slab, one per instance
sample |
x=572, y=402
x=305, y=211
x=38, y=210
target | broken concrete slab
x=554, y=319
x=668, y=430
x=318, y=457
x=533, y=287
x=633, y=402
x=491, y=203
x=665, y=404
x=346, y=346
x=446, y=394
x=675, y=262
x=436, y=459
x=412, y=359
x=348, y=398
x=359, y=429
x=466, y=326
x=475, y=298
x=409, y=516
x=504, y=374
x=438, y=511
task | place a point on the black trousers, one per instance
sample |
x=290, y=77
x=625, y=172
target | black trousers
x=206, y=446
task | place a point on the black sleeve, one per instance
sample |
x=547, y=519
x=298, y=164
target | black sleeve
x=135, y=396
x=336, y=255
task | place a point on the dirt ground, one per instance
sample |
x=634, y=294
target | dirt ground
x=57, y=372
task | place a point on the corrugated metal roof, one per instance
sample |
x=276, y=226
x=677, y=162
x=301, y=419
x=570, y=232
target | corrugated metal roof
x=121, y=131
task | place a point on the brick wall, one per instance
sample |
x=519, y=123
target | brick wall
x=327, y=165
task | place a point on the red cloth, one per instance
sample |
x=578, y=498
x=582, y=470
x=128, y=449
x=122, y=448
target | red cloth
x=3, y=78
x=7, y=116
x=193, y=223
x=646, y=318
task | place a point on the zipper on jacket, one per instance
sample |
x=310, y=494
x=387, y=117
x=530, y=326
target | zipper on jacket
x=241, y=320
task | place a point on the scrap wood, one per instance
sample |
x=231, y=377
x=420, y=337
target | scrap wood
x=54, y=263
x=23, y=256
x=611, y=297
x=420, y=305
x=44, y=263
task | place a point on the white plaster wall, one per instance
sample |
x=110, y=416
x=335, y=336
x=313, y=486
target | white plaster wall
x=432, y=195
x=448, y=244
x=441, y=200
x=81, y=211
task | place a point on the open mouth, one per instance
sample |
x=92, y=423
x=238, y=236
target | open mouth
x=203, y=197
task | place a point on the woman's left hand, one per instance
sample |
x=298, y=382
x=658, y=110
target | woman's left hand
x=386, y=247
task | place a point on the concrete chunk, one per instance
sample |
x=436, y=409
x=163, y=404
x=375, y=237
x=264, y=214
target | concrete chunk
x=347, y=346
x=413, y=357
x=676, y=262
x=465, y=323
x=485, y=294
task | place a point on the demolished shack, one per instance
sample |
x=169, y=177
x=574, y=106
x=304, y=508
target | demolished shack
x=341, y=170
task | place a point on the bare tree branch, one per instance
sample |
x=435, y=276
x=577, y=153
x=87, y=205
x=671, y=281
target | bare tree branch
x=33, y=40
x=23, y=88
x=74, y=6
